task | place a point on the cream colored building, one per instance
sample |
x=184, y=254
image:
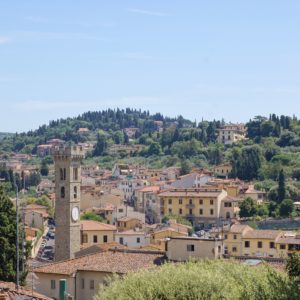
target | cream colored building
x=134, y=238
x=231, y=133
x=93, y=232
x=85, y=274
x=99, y=197
x=186, y=248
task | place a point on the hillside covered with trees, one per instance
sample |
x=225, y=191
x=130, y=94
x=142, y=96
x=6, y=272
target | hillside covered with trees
x=272, y=146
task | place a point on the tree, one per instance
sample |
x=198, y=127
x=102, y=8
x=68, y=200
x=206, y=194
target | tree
x=207, y=279
x=293, y=266
x=248, y=208
x=281, y=187
x=8, y=234
x=91, y=216
x=101, y=145
x=44, y=168
x=286, y=207
x=154, y=149
x=185, y=167
x=249, y=162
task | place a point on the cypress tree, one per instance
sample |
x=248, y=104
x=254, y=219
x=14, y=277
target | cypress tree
x=281, y=187
x=8, y=234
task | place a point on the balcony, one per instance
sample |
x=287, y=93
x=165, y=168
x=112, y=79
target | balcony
x=190, y=206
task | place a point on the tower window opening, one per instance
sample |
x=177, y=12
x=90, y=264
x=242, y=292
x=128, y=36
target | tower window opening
x=62, y=192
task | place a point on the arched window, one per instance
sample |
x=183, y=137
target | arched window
x=62, y=192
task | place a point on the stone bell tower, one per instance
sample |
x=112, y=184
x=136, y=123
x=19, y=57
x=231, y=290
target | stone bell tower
x=67, y=205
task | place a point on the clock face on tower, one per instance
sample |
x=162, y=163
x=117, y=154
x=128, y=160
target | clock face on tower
x=75, y=213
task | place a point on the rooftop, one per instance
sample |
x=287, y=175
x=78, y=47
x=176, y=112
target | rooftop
x=107, y=262
x=89, y=225
x=8, y=291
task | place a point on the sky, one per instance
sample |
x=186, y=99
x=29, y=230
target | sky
x=196, y=58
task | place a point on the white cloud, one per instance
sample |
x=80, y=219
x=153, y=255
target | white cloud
x=148, y=12
x=5, y=39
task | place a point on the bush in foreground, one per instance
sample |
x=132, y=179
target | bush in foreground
x=202, y=280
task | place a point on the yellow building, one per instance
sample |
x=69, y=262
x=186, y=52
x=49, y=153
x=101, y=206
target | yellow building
x=242, y=240
x=200, y=206
x=223, y=169
x=93, y=232
x=127, y=223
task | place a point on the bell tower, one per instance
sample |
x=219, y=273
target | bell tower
x=67, y=204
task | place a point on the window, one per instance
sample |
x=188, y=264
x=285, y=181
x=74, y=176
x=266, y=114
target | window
x=201, y=211
x=92, y=284
x=170, y=201
x=191, y=201
x=75, y=192
x=282, y=247
x=227, y=204
x=180, y=211
x=82, y=283
x=201, y=202
x=138, y=240
x=95, y=239
x=64, y=174
x=105, y=239
x=180, y=201
x=61, y=173
x=190, y=211
x=211, y=202
x=247, y=244
x=234, y=237
x=272, y=245
x=53, y=287
x=84, y=238
x=62, y=192
x=121, y=240
x=211, y=212
x=190, y=248
x=170, y=210
x=121, y=210
x=259, y=244
x=75, y=173
x=225, y=237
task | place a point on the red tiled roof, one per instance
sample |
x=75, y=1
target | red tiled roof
x=87, y=225
x=108, y=262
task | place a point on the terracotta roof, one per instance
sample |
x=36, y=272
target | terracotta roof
x=108, y=262
x=238, y=228
x=96, y=248
x=262, y=234
x=9, y=291
x=191, y=193
x=126, y=219
x=87, y=225
x=150, y=189
x=35, y=206
x=131, y=232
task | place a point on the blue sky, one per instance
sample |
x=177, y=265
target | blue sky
x=198, y=58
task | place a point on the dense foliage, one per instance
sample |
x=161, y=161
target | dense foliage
x=8, y=235
x=202, y=280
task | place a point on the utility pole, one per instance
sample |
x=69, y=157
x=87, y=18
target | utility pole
x=17, y=238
